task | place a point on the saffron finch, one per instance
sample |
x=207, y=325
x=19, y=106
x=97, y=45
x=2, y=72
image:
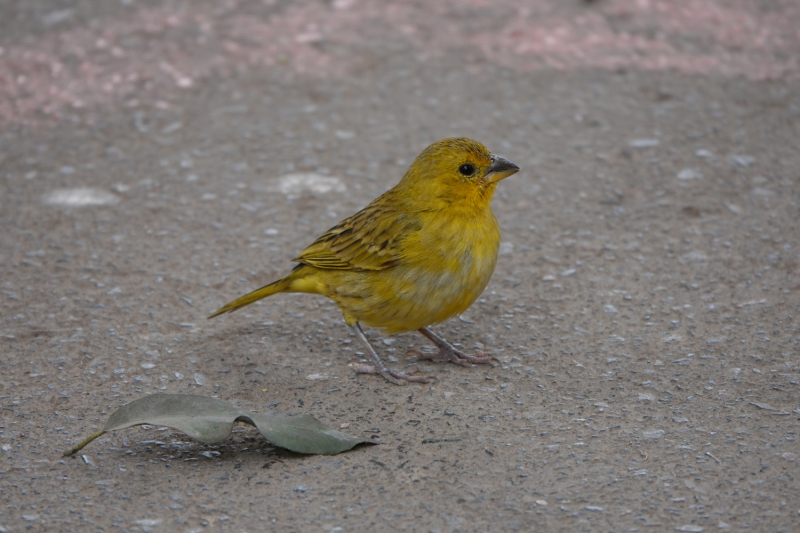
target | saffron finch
x=417, y=255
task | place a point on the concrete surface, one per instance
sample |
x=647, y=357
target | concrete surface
x=159, y=159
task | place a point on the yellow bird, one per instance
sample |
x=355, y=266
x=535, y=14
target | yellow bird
x=417, y=255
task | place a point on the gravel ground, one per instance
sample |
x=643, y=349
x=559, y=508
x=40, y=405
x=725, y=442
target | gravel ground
x=159, y=159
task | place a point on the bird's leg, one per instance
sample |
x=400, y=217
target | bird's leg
x=448, y=353
x=395, y=376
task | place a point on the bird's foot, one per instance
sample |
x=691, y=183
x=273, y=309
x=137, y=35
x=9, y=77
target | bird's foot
x=449, y=353
x=379, y=367
x=389, y=374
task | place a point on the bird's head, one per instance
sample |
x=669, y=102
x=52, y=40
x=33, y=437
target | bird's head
x=456, y=170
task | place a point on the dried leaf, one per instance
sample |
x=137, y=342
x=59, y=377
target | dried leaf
x=210, y=421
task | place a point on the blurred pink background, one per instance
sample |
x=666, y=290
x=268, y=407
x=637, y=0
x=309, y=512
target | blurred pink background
x=156, y=52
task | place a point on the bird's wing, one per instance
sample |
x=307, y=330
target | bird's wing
x=372, y=239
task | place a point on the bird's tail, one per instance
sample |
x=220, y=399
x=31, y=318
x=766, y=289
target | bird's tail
x=268, y=290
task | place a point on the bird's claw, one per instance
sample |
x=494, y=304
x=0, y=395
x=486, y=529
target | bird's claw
x=455, y=356
x=480, y=358
x=393, y=376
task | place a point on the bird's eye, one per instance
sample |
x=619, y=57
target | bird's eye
x=466, y=169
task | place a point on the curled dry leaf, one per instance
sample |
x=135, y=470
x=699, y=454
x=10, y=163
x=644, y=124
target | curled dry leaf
x=210, y=421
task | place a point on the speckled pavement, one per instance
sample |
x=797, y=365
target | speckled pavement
x=160, y=158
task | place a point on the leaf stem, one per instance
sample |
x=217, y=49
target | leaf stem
x=83, y=443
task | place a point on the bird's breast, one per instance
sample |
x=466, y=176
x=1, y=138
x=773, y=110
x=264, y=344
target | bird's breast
x=444, y=267
x=462, y=245
x=449, y=267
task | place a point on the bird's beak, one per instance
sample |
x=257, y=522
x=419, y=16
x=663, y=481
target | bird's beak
x=500, y=169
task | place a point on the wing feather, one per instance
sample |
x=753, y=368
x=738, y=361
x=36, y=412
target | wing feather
x=372, y=239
